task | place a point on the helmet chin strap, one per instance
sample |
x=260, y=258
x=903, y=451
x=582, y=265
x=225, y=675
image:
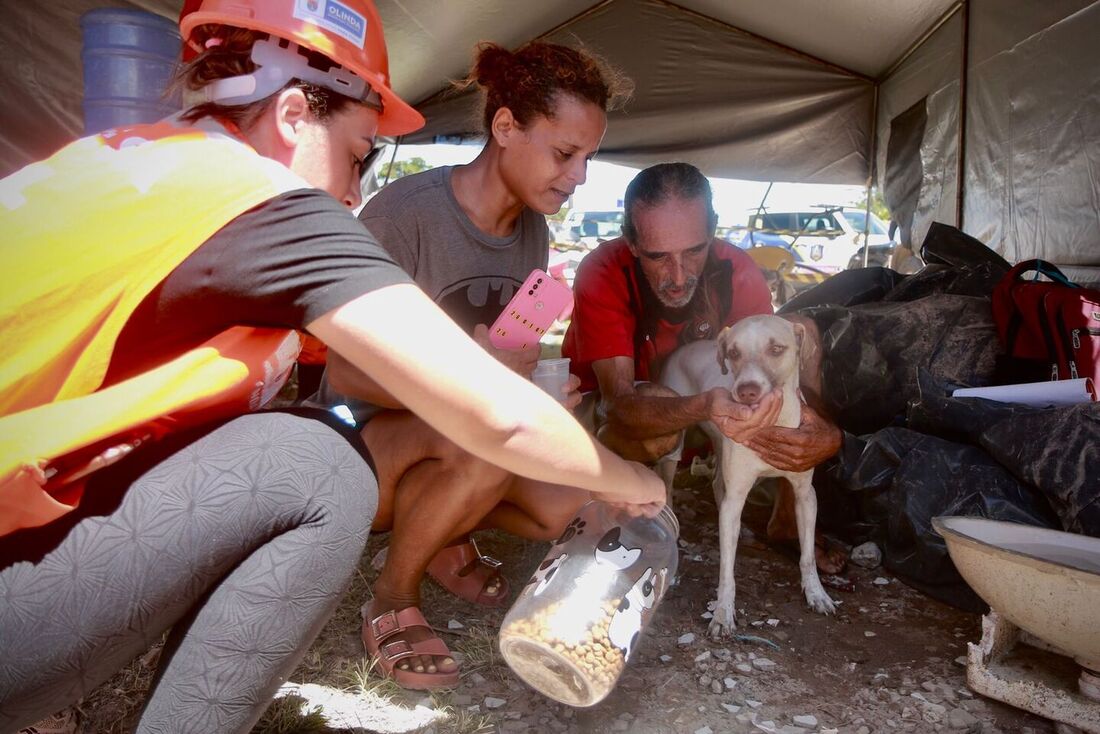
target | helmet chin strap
x=278, y=61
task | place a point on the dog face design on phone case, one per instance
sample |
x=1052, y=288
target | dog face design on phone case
x=611, y=552
x=545, y=573
x=626, y=625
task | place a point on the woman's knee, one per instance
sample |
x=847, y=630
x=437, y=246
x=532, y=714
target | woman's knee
x=553, y=519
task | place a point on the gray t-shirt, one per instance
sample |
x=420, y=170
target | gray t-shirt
x=470, y=274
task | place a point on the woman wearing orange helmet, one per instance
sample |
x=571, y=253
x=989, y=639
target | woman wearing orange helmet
x=161, y=272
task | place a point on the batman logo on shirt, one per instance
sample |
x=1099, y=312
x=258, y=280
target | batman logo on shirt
x=477, y=300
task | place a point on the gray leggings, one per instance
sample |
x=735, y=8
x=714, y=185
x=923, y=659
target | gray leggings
x=240, y=539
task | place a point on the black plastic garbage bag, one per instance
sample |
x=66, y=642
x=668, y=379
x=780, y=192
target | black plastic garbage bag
x=1054, y=450
x=872, y=353
x=847, y=288
x=888, y=486
x=958, y=264
x=949, y=245
x=973, y=280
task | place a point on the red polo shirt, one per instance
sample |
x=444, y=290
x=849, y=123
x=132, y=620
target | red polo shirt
x=616, y=313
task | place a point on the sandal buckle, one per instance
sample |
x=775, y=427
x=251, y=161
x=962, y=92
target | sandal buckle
x=396, y=649
x=490, y=562
x=384, y=624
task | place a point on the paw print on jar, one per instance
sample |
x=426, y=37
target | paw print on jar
x=575, y=527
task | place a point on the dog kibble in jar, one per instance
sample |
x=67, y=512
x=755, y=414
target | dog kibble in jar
x=577, y=621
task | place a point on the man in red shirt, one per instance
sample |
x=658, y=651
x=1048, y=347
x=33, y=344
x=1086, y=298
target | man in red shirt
x=666, y=282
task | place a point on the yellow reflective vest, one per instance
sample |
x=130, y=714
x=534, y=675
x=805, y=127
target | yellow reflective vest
x=86, y=235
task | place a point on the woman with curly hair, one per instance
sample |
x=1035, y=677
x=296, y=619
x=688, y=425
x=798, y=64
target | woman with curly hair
x=469, y=236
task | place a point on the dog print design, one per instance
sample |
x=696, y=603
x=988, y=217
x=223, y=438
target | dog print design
x=545, y=573
x=626, y=625
x=610, y=552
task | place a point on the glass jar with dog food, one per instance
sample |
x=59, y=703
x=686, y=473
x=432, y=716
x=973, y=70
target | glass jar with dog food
x=578, y=620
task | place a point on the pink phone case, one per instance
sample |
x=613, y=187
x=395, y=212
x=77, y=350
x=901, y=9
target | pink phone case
x=530, y=312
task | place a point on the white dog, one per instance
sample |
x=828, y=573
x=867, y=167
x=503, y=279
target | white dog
x=751, y=358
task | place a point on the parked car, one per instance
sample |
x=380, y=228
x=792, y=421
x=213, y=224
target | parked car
x=590, y=227
x=829, y=240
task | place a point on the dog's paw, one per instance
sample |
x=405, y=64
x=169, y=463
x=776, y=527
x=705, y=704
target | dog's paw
x=819, y=601
x=722, y=624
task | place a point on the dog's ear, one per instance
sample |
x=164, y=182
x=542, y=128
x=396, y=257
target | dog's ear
x=799, y=334
x=721, y=342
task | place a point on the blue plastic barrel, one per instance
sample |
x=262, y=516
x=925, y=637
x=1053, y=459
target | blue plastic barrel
x=129, y=56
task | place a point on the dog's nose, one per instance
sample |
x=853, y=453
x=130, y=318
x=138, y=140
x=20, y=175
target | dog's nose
x=748, y=392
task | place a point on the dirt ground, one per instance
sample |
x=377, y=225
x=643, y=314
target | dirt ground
x=889, y=660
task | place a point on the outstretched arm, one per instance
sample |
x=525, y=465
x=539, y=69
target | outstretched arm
x=473, y=399
x=644, y=422
x=641, y=414
x=347, y=379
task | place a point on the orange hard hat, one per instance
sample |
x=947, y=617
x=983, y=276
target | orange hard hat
x=348, y=32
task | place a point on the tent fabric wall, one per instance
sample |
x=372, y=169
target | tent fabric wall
x=939, y=154
x=1032, y=158
x=931, y=72
x=708, y=94
x=903, y=173
x=732, y=102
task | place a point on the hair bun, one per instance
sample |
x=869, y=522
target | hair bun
x=529, y=80
x=492, y=65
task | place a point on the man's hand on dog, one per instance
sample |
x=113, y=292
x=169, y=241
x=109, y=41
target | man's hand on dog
x=741, y=422
x=520, y=361
x=797, y=449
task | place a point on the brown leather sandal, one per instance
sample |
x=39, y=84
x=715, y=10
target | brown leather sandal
x=389, y=624
x=463, y=571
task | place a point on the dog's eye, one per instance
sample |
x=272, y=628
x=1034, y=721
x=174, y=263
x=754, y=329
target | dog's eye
x=778, y=349
x=734, y=353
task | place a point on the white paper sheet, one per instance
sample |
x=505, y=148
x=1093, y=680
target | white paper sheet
x=1038, y=394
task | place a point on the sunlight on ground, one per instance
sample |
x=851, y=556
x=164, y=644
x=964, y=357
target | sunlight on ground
x=362, y=711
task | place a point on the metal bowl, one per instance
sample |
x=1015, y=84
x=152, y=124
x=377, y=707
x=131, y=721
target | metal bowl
x=1044, y=581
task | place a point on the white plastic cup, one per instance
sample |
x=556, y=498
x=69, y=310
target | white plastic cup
x=551, y=375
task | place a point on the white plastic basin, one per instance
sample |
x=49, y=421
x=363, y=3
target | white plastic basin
x=1044, y=581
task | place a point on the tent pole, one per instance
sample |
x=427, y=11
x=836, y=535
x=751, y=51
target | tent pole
x=389, y=171
x=964, y=80
x=920, y=41
x=870, y=180
x=579, y=16
x=760, y=211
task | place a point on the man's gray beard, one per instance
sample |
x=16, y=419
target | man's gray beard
x=681, y=302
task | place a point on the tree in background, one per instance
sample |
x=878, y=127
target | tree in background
x=397, y=169
x=878, y=204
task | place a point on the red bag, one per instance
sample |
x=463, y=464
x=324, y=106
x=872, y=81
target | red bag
x=1053, y=323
